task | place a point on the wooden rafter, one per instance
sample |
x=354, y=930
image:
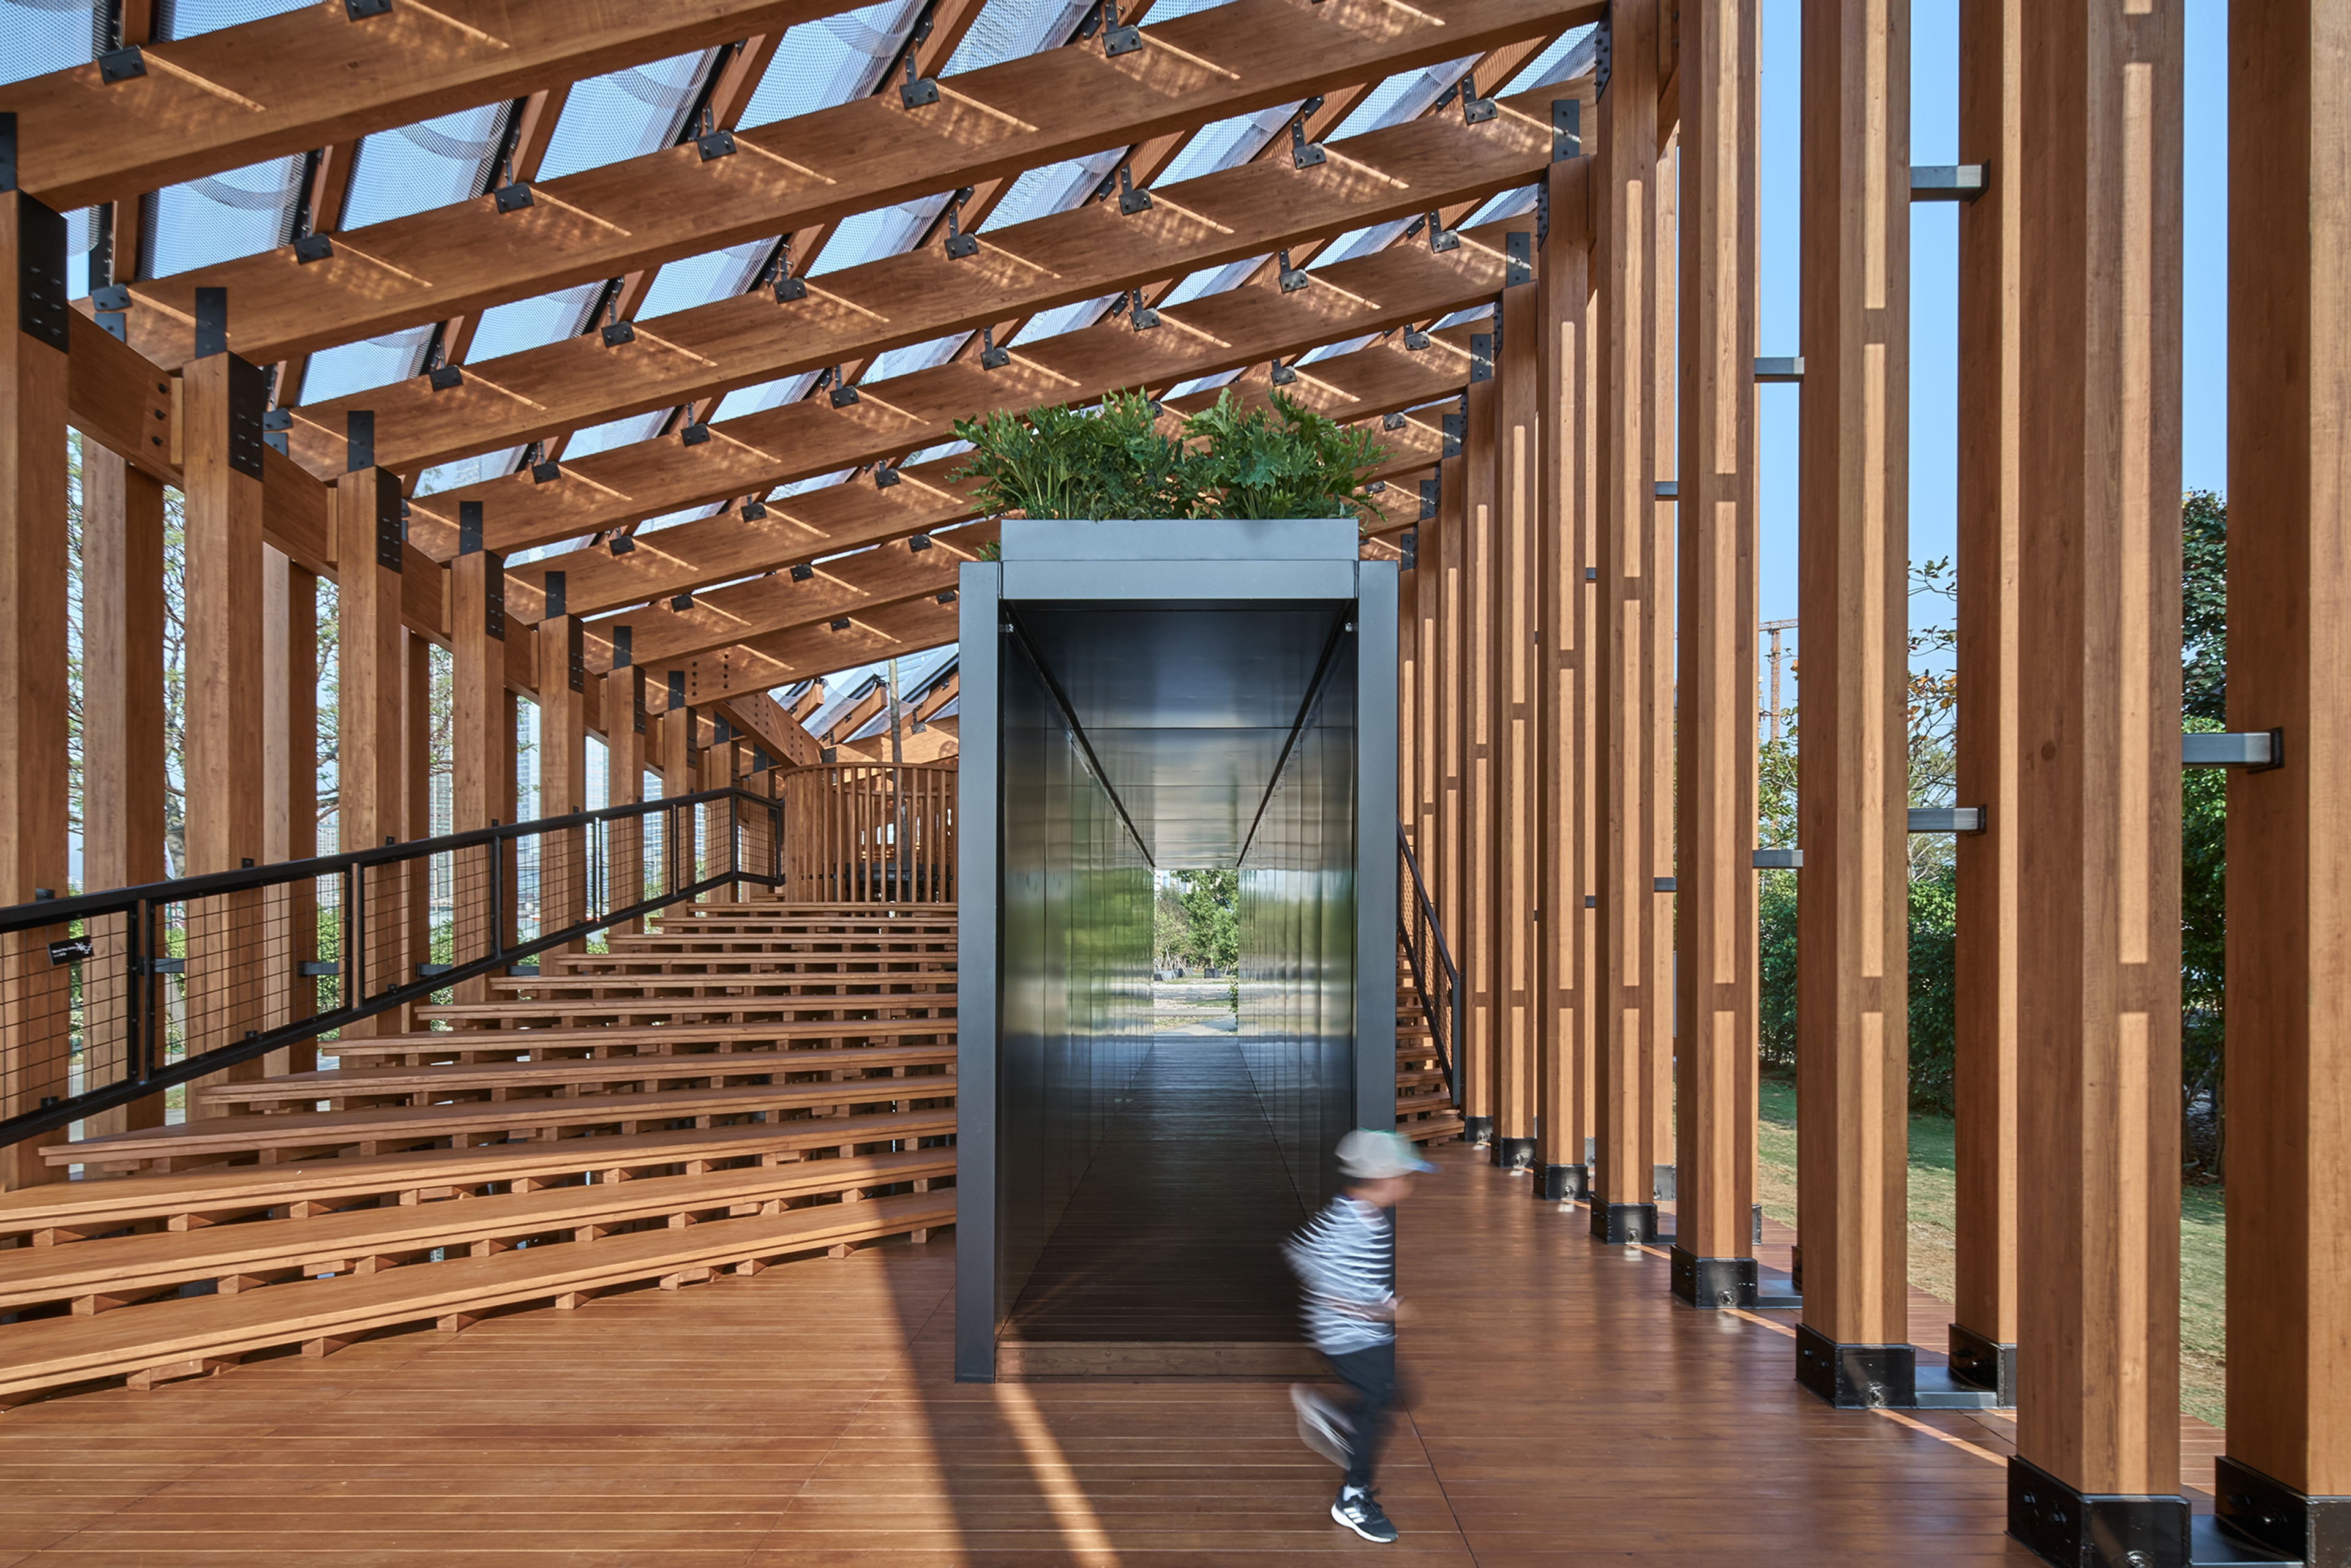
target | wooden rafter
x=314, y=76
x=913, y=297
x=995, y=122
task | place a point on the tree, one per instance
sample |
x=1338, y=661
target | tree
x=1212, y=917
x=2203, y=835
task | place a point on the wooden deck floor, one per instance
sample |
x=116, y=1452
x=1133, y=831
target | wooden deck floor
x=1562, y=1413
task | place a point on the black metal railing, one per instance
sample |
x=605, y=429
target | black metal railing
x=1436, y=980
x=108, y=998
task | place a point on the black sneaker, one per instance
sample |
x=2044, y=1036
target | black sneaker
x=1360, y=1513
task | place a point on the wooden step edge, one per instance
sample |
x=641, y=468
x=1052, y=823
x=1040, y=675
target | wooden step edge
x=49, y=1352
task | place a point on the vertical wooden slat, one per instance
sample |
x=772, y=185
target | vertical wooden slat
x=226, y=964
x=2098, y=800
x=482, y=757
x=34, y=1025
x=1631, y=640
x=1664, y=521
x=1564, y=530
x=1715, y=929
x=2289, y=838
x=1474, y=939
x=1443, y=866
x=290, y=796
x=562, y=769
x=1983, y=1079
x=625, y=785
x=415, y=946
x=371, y=764
x=1852, y=927
x=1517, y=909
x=122, y=769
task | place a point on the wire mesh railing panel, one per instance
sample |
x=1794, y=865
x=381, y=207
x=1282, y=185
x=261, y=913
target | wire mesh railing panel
x=110, y=997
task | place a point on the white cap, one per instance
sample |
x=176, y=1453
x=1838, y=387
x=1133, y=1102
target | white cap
x=1368, y=1156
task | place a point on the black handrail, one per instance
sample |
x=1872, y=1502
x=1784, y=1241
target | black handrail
x=137, y=941
x=1442, y=1007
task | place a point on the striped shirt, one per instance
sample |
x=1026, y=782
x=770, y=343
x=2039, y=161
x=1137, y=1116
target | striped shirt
x=1345, y=1258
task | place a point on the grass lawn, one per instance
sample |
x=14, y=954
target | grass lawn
x=2203, y=1234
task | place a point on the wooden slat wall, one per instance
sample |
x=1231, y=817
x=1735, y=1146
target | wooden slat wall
x=837, y=822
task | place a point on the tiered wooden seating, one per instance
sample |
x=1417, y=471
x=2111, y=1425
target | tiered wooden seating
x=778, y=1081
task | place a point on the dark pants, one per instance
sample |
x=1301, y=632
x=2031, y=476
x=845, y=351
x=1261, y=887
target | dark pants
x=1371, y=1373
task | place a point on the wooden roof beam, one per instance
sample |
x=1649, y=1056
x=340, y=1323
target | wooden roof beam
x=308, y=78
x=992, y=123
x=754, y=453
x=1377, y=379
x=903, y=299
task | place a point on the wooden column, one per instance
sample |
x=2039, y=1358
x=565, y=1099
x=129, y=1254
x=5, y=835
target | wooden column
x=1632, y=642
x=1853, y=1078
x=1428, y=593
x=289, y=829
x=1443, y=865
x=624, y=777
x=1565, y=515
x=563, y=762
x=1983, y=1328
x=233, y=963
x=370, y=786
x=122, y=769
x=1715, y=926
x=2289, y=843
x=1664, y=521
x=35, y=1024
x=2098, y=800
x=676, y=765
x=1515, y=925
x=416, y=810
x=1474, y=943
x=482, y=743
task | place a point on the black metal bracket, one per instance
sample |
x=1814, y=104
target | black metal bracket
x=1415, y=338
x=445, y=378
x=788, y=287
x=513, y=196
x=992, y=358
x=619, y=332
x=274, y=427
x=1142, y=317
x=959, y=244
x=121, y=65
x=1513, y=1153
x=843, y=395
x=1603, y=57
x=1857, y=1376
x=918, y=91
x=1482, y=357
x=1566, y=128
x=1293, y=279
x=312, y=247
x=918, y=543
x=388, y=534
x=1305, y=155
x=42, y=313
x=620, y=544
x=1428, y=495
x=249, y=409
x=802, y=571
x=1714, y=1284
x=1454, y=426
x=718, y=142
x=545, y=470
x=1519, y=248
x=1392, y=422
x=1475, y=110
x=680, y=603
x=111, y=304
x=1130, y=200
x=1118, y=40
x=2064, y=1525
x=693, y=433
x=1439, y=241
x=1623, y=1224
x=1283, y=375
x=361, y=10
x=884, y=476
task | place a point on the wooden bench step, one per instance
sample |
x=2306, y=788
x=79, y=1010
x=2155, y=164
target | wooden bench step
x=777, y=981
x=154, y=1342
x=101, y=1276
x=632, y=1011
x=418, y=1084
x=621, y=1041
x=65, y=1213
x=1429, y=1129
x=367, y=1132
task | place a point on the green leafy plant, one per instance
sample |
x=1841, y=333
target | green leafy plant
x=1115, y=461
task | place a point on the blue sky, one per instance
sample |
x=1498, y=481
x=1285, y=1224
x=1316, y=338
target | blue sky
x=1934, y=139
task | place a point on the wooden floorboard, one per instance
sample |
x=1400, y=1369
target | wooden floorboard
x=1561, y=1413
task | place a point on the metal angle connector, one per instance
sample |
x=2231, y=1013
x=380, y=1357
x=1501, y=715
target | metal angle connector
x=1293, y=279
x=1475, y=110
x=919, y=92
x=884, y=476
x=1415, y=339
x=1566, y=128
x=1439, y=241
x=959, y=244
x=992, y=358
x=1393, y=421
x=1305, y=155
x=1283, y=375
x=1519, y=251
x=1142, y=317
x=1118, y=40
